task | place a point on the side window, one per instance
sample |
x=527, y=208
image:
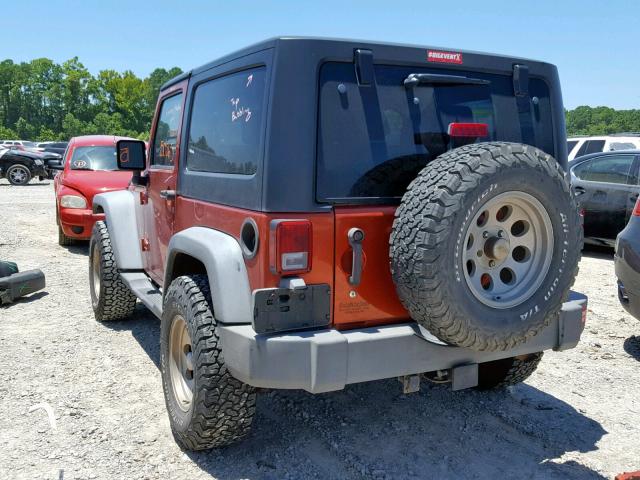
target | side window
x=166, y=135
x=570, y=145
x=609, y=169
x=595, y=146
x=226, y=128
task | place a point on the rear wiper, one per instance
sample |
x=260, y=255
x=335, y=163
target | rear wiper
x=415, y=79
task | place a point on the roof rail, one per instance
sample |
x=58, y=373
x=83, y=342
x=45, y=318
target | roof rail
x=625, y=134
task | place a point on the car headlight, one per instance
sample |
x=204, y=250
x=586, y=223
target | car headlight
x=38, y=162
x=73, y=201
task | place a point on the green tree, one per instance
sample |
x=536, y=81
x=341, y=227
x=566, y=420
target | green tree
x=46, y=100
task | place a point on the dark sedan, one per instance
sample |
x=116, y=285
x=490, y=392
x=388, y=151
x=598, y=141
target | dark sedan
x=627, y=264
x=606, y=187
x=20, y=166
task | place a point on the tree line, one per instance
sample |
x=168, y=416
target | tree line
x=43, y=100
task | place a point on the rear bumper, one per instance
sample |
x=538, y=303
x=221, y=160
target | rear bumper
x=326, y=360
x=627, y=266
x=78, y=223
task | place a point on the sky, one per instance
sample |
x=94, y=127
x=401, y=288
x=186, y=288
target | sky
x=595, y=44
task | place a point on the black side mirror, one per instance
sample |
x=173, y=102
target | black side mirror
x=131, y=155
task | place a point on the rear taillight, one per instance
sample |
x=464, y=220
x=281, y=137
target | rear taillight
x=636, y=209
x=468, y=130
x=290, y=245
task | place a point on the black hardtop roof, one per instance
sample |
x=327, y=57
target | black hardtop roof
x=327, y=43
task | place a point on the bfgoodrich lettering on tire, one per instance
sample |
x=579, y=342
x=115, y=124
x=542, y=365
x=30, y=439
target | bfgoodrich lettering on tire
x=207, y=406
x=111, y=299
x=485, y=245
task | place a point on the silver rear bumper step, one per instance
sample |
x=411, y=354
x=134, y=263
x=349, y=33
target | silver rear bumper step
x=328, y=359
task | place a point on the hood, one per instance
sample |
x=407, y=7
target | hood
x=90, y=183
x=33, y=154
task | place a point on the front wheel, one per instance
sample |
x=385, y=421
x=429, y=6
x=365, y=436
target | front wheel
x=207, y=406
x=63, y=240
x=111, y=299
x=18, y=175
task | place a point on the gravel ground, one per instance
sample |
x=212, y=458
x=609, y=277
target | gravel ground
x=577, y=417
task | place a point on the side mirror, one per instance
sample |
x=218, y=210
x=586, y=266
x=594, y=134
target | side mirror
x=131, y=155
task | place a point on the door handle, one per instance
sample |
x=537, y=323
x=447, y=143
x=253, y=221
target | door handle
x=168, y=194
x=579, y=190
x=356, y=236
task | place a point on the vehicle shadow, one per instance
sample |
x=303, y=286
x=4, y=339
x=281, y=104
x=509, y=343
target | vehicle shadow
x=79, y=247
x=632, y=346
x=598, y=251
x=30, y=184
x=371, y=427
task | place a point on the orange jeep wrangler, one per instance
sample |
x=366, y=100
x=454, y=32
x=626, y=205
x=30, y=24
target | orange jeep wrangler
x=315, y=213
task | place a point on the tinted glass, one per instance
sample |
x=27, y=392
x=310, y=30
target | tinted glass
x=571, y=144
x=372, y=141
x=621, y=146
x=94, y=158
x=164, y=142
x=594, y=146
x=609, y=169
x=226, y=124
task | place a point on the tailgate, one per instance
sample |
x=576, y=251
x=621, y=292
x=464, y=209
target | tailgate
x=374, y=300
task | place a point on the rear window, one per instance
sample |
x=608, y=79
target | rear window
x=94, y=158
x=621, y=146
x=571, y=144
x=373, y=140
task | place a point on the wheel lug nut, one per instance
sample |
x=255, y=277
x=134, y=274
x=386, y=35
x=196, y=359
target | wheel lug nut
x=485, y=234
x=492, y=263
x=500, y=233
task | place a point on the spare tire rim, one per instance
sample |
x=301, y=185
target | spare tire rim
x=508, y=249
x=19, y=175
x=181, y=363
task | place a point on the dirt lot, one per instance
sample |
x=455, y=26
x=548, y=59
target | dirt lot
x=577, y=417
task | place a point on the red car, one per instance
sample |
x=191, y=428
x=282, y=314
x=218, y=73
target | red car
x=89, y=168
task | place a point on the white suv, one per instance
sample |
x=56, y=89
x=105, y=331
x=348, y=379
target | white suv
x=579, y=146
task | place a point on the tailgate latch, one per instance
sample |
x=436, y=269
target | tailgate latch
x=356, y=236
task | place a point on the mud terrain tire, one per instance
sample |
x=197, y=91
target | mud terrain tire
x=433, y=247
x=507, y=372
x=207, y=406
x=111, y=299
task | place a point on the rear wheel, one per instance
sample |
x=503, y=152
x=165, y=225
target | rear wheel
x=207, y=406
x=111, y=299
x=508, y=371
x=18, y=175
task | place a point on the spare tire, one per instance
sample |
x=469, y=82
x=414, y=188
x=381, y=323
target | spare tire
x=485, y=245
